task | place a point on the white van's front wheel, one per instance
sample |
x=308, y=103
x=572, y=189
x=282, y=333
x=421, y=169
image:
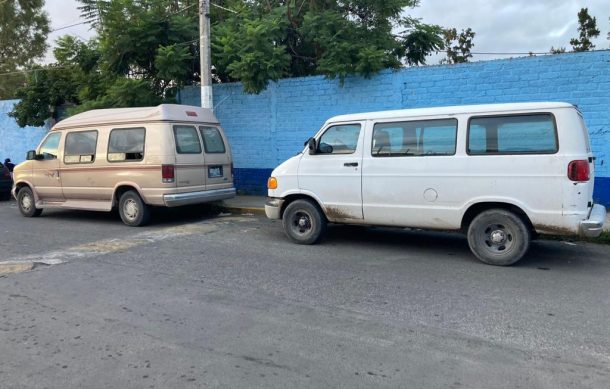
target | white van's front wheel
x=303, y=222
x=498, y=237
x=134, y=212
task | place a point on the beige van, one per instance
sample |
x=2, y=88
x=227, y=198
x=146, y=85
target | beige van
x=130, y=158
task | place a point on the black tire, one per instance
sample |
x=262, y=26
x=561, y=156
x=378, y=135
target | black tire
x=498, y=237
x=134, y=212
x=27, y=203
x=304, y=222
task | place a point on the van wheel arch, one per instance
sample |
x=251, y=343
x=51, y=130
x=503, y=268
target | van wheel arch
x=477, y=208
x=120, y=190
x=291, y=198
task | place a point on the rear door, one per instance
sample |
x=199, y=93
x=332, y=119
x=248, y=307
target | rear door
x=190, y=168
x=217, y=158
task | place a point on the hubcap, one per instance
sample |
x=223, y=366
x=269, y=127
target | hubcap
x=130, y=209
x=301, y=223
x=498, y=238
x=26, y=202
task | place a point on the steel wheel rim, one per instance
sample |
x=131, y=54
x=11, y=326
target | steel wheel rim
x=301, y=223
x=497, y=238
x=130, y=209
x=26, y=202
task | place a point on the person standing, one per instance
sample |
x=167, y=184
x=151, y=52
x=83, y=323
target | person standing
x=9, y=165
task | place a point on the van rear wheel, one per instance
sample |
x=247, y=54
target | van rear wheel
x=498, y=237
x=134, y=212
x=304, y=222
x=27, y=203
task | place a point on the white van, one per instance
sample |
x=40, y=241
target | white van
x=127, y=158
x=501, y=173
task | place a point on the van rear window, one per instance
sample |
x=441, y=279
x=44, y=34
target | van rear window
x=187, y=140
x=126, y=144
x=515, y=134
x=212, y=140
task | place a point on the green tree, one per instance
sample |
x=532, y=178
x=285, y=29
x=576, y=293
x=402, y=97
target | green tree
x=145, y=50
x=458, y=46
x=267, y=40
x=587, y=30
x=24, y=27
x=558, y=50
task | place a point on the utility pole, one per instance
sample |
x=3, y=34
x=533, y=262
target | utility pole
x=205, y=54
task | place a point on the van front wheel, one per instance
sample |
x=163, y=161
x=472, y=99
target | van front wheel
x=26, y=203
x=498, y=237
x=132, y=209
x=303, y=222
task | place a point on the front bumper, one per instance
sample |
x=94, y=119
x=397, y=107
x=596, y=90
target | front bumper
x=593, y=226
x=205, y=196
x=273, y=208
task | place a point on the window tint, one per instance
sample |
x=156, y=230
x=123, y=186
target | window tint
x=187, y=140
x=339, y=139
x=212, y=140
x=414, y=138
x=80, y=147
x=518, y=134
x=50, y=146
x=126, y=144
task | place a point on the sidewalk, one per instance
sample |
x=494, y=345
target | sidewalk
x=256, y=204
x=245, y=204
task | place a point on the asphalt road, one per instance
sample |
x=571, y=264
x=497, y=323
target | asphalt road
x=198, y=301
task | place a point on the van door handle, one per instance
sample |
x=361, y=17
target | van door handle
x=350, y=164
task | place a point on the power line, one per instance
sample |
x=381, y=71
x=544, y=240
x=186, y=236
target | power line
x=68, y=26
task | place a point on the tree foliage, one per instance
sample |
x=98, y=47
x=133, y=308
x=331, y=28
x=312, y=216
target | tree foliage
x=587, y=30
x=146, y=50
x=24, y=27
x=458, y=46
x=267, y=40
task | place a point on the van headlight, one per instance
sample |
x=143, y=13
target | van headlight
x=272, y=183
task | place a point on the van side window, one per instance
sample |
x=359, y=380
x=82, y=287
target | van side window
x=414, y=138
x=514, y=134
x=126, y=144
x=187, y=140
x=50, y=147
x=342, y=139
x=80, y=147
x=212, y=140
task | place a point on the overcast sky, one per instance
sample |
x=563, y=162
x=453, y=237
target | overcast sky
x=500, y=25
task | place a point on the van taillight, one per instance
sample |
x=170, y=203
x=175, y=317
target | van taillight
x=231, y=169
x=579, y=170
x=167, y=173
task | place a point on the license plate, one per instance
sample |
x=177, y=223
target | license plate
x=215, y=171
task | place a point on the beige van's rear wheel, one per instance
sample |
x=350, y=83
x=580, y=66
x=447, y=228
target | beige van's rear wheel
x=303, y=222
x=498, y=237
x=132, y=209
x=26, y=203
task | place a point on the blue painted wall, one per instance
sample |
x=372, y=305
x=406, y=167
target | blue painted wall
x=14, y=140
x=268, y=128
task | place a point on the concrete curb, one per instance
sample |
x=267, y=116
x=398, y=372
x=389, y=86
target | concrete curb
x=236, y=209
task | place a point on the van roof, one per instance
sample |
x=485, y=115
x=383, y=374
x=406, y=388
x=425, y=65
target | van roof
x=452, y=110
x=160, y=113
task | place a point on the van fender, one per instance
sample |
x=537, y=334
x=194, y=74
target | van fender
x=26, y=183
x=126, y=183
x=304, y=193
x=495, y=199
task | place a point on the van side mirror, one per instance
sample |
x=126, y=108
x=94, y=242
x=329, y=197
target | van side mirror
x=31, y=155
x=311, y=144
